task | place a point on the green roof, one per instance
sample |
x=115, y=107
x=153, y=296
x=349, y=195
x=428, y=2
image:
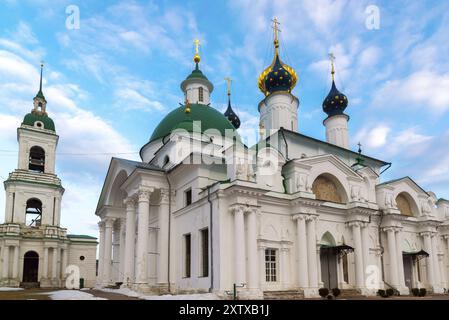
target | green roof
x=32, y=117
x=80, y=236
x=197, y=74
x=210, y=119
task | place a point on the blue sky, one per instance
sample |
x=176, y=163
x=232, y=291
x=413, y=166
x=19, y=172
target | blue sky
x=110, y=82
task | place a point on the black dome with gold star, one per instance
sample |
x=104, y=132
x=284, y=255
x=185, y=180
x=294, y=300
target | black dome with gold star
x=335, y=102
x=232, y=116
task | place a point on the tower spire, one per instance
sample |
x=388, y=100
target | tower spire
x=40, y=94
x=229, y=113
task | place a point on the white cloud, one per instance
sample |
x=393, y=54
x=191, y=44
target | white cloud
x=426, y=89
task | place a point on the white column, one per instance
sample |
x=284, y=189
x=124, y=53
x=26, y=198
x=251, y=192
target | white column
x=107, y=255
x=239, y=246
x=54, y=267
x=358, y=255
x=130, y=240
x=400, y=259
x=163, y=241
x=430, y=267
x=122, y=250
x=15, y=264
x=436, y=262
x=301, y=238
x=392, y=252
x=101, y=252
x=446, y=237
x=365, y=246
x=312, y=252
x=142, y=236
x=251, y=241
x=45, y=271
x=64, y=263
x=6, y=261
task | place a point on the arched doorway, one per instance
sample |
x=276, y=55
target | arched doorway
x=328, y=260
x=30, y=267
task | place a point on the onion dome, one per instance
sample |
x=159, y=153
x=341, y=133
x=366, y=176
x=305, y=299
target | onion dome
x=336, y=102
x=278, y=76
x=229, y=113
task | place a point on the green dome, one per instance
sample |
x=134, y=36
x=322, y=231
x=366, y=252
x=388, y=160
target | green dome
x=197, y=73
x=32, y=117
x=210, y=119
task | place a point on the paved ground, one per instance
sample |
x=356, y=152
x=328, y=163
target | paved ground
x=43, y=294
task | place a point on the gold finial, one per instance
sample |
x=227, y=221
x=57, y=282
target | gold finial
x=196, y=57
x=276, y=31
x=187, y=105
x=228, y=80
x=332, y=58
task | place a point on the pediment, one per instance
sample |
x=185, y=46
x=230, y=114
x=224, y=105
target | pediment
x=335, y=162
x=404, y=181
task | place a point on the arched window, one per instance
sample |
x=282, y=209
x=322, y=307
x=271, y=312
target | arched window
x=37, y=159
x=325, y=189
x=200, y=94
x=33, y=213
x=404, y=205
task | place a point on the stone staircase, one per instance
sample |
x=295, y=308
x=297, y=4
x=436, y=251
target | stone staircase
x=350, y=293
x=29, y=285
x=283, y=295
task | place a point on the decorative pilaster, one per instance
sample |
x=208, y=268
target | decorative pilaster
x=128, y=273
x=436, y=262
x=15, y=263
x=64, y=263
x=401, y=276
x=5, y=262
x=301, y=237
x=54, y=267
x=239, y=246
x=163, y=241
x=251, y=241
x=142, y=236
x=45, y=269
x=122, y=249
x=312, y=252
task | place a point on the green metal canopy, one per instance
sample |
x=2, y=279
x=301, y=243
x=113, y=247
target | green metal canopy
x=32, y=117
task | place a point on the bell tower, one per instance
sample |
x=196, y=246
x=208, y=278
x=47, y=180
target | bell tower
x=33, y=191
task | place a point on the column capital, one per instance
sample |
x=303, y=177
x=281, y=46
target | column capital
x=389, y=229
x=165, y=196
x=299, y=216
x=355, y=224
x=109, y=222
x=445, y=236
x=130, y=202
x=236, y=209
x=144, y=194
x=101, y=225
x=426, y=234
x=311, y=217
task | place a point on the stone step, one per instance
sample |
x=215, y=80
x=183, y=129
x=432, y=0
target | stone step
x=29, y=285
x=345, y=293
x=283, y=295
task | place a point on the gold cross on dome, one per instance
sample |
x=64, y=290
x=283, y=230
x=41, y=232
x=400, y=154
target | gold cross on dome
x=197, y=45
x=275, y=27
x=332, y=58
x=228, y=80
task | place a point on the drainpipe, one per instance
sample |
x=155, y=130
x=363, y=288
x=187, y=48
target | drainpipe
x=382, y=250
x=211, y=241
x=169, y=230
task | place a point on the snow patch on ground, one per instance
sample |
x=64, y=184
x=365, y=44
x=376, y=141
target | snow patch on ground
x=134, y=294
x=72, y=295
x=10, y=289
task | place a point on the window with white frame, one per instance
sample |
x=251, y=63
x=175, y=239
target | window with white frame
x=270, y=265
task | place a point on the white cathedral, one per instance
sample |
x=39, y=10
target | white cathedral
x=202, y=212
x=35, y=250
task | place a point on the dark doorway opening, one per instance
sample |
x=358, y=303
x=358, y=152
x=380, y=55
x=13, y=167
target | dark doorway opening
x=30, y=267
x=328, y=259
